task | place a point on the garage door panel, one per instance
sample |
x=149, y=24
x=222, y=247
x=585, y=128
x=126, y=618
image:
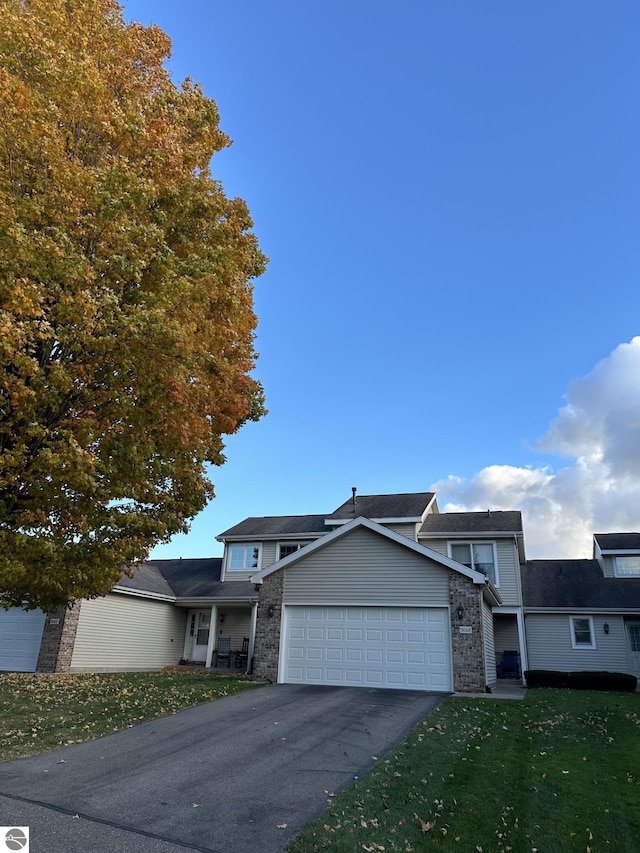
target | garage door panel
x=409, y=648
x=20, y=638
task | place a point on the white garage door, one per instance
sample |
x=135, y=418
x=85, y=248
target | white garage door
x=20, y=636
x=396, y=647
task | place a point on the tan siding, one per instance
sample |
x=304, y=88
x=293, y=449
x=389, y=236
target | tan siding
x=489, y=645
x=508, y=571
x=269, y=554
x=549, y=644
x=439, y=545
x=505, y=628
x=237, y=625
x=408, y=530
x=366, y=568
x=120, y=632
x=507, y=558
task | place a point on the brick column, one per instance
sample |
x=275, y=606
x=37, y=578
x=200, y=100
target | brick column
x=58, y=639
x=468, y=649
x=267, y=645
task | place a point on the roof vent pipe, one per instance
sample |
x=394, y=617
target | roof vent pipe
x=355, y=504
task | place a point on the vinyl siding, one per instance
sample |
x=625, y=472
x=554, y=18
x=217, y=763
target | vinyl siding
x=237, y=625
x=365, y=568
x=506, y=556
x=549, y=644
x=609, y=571
x=508, y=571
x=408, y=530
x=439, y=545
x=123, y=633
x=269, y=553
x=489, y=645
x=505, y=629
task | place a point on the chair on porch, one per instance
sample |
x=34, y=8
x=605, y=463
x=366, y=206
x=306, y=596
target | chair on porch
x=223, y=651
x=509, y=665
x=242, y=655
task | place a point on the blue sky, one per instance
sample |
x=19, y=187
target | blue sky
x=449, y=193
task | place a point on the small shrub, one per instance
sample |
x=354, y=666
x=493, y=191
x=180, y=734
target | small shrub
x=585, y=680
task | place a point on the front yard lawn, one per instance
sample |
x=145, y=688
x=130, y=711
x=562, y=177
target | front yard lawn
x=558, y=772
x=39, y=712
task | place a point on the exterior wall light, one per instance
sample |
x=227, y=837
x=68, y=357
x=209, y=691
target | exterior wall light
x=460, y=611
x=606, y=627
x=270, y=611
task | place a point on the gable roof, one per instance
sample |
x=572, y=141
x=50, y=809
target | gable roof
x=491, y=521
x=576, y=584
x=345, y=529
x=276, y=525
x=618, y=541
x=407, y=507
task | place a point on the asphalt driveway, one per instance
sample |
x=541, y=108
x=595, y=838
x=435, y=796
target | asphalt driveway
x=239, y=775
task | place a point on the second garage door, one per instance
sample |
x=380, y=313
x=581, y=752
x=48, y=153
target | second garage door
x=396, y=647
x=20, y=637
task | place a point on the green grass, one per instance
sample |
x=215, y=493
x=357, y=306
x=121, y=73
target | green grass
x=40, y=712
x=556, y=773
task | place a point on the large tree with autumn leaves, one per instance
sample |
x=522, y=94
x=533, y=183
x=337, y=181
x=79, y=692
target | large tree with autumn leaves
x=126, y=305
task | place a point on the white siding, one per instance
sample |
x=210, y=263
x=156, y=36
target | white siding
x=364, y=567
x=489, y=645
x=549, y=644
x=123, y=633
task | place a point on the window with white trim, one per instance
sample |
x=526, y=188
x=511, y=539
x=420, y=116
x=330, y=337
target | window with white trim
x=479, y=556
x=582, y=635
x=287, y=548
x=243, y=557
x=627, y=566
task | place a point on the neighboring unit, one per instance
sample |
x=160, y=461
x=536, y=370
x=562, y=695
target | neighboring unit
x=386, y=591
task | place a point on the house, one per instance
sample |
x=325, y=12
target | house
x=385, y=591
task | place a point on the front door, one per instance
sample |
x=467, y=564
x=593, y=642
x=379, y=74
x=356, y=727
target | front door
x=633, y=632
x=201, y=627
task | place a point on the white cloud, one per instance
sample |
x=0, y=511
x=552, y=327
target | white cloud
x=598, y=490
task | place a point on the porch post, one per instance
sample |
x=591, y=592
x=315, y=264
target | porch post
x=524, y=657
x=252, y=632
x=213, y=627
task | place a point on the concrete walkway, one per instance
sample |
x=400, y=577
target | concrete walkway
x=239, y=775
x=504, y=689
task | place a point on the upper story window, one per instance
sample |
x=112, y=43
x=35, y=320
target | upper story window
x=476, y=555
x=627, y=567
x=243, y=557
x=288, y=548
x=582, y=636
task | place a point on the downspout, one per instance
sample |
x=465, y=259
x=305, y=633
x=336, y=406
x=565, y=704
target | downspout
x=252, y=637
x=213, y=627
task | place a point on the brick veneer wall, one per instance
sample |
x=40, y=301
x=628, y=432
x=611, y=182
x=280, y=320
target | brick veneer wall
x=267, y=643
x=468, y=649
x=58, y=639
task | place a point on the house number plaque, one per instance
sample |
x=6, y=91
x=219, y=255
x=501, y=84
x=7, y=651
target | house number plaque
x=466, y=629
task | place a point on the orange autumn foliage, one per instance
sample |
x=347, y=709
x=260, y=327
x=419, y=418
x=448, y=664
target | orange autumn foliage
x=126, y=304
